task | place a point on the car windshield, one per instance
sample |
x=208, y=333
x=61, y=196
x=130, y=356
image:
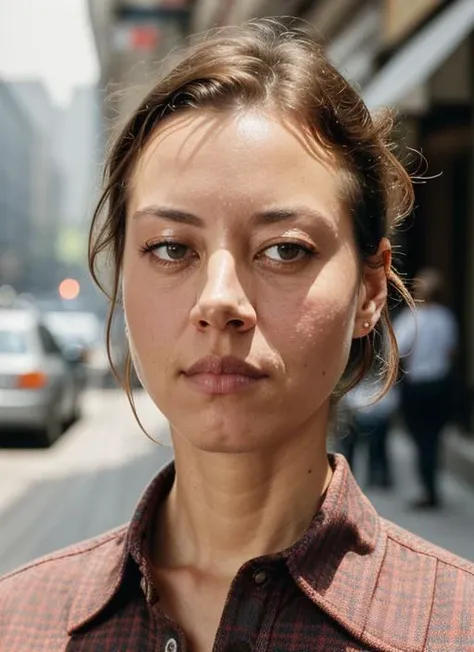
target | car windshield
x=74, y=327
x=12, y=342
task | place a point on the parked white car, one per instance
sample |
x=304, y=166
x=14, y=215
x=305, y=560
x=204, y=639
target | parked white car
x=85, y=331
x=37, y=386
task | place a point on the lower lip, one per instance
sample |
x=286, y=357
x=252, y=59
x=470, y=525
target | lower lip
x=221, y=383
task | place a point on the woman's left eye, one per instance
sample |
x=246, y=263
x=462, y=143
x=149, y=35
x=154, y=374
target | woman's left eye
x=289, y=252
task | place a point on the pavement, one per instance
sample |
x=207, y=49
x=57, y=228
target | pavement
x=92, y=478
x=459, y=455
x=87, y=483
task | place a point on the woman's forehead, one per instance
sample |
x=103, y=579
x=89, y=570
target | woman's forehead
x=244, y=153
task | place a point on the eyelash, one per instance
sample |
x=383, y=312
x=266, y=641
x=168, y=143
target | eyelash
x=150, y=247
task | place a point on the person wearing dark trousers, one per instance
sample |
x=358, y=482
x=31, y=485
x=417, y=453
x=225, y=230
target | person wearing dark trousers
x=375, y=433
x=427, y=342
x=366, y=423
x=426, y=412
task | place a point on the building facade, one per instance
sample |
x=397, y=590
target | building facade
x=16, y=191
x=425, y=69
x=46, y=182
x=77, y=148
x=133, y=37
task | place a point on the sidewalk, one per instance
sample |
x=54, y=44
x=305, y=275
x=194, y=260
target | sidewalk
x=459, y=456
x=105, y=437
x=87, y=483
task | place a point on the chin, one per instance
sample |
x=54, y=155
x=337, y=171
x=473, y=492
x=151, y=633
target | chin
x=223, y=448
x=229, y=436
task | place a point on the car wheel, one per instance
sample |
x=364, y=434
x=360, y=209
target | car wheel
x=75, y=413
x=52, y=429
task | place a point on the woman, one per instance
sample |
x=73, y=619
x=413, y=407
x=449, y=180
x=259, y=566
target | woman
x=428, y=345
x=248, y=206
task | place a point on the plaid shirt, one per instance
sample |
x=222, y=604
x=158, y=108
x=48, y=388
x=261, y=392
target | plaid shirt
x=353, y=582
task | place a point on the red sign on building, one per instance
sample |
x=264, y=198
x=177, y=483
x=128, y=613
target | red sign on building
x=139, y=37
x=144, y=38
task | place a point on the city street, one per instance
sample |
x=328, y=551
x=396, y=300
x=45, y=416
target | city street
x=90, y=480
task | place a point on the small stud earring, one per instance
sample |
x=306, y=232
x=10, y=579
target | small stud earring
x=366, y=324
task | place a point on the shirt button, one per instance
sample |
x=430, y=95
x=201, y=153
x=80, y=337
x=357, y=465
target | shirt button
x=171, y=645
x=260, y=577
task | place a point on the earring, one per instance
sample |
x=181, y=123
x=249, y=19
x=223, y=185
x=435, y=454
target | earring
x=366, y=324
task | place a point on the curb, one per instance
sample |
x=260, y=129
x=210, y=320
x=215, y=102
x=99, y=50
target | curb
x=459, y=456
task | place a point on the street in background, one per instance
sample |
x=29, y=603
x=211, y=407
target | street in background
x=39, y=386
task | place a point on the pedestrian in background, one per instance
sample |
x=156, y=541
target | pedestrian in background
x=366, y=424
x=427, y=342
x=248, y=207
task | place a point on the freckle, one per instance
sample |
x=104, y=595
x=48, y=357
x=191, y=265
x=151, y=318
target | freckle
x=324, y=372
x=310, y=471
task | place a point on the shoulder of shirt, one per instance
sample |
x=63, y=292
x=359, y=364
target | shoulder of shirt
x=411, y=543
x=422, y=598
x=69, y=560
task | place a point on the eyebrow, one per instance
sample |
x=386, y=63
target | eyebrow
x=276, y=215
x=168, y=213
x=271, y=216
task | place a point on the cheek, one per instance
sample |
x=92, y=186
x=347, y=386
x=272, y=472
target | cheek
x=315, y=331
x=155, y=316
x=325, y=327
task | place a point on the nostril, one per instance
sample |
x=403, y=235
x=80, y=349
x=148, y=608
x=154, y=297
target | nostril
x=202, y=323
x=236, y=323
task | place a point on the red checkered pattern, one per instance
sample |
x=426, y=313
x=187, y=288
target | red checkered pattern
x=353, y=582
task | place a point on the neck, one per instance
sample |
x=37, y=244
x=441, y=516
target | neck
x=225, y=509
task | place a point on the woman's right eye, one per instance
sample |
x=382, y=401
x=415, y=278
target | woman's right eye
x=168, y=252
x=171, y=251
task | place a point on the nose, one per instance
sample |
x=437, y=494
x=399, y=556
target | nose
x=222, y=303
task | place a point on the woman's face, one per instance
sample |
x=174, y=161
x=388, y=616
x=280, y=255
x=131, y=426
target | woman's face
x=238, y=250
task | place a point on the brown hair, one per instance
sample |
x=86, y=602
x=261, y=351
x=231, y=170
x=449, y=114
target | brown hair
x=278, y=64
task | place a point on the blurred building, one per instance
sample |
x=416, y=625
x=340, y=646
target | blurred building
x=425, y=69
x=132, y=37
x=77, y=149
x=65, y=151
x=16, y=190
x=414, y=55
x=77, y=142
x=46, y=183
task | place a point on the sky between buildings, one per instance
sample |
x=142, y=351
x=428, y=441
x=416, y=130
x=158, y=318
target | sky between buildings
x=49, y=40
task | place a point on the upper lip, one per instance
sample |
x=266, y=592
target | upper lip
x=213, y=364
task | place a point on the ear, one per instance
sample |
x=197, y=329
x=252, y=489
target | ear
x=373, y=289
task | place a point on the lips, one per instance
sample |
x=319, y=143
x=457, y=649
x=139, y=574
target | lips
x=223, y=366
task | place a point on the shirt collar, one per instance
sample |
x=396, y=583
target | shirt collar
x=95, y=591
x=336, y=563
